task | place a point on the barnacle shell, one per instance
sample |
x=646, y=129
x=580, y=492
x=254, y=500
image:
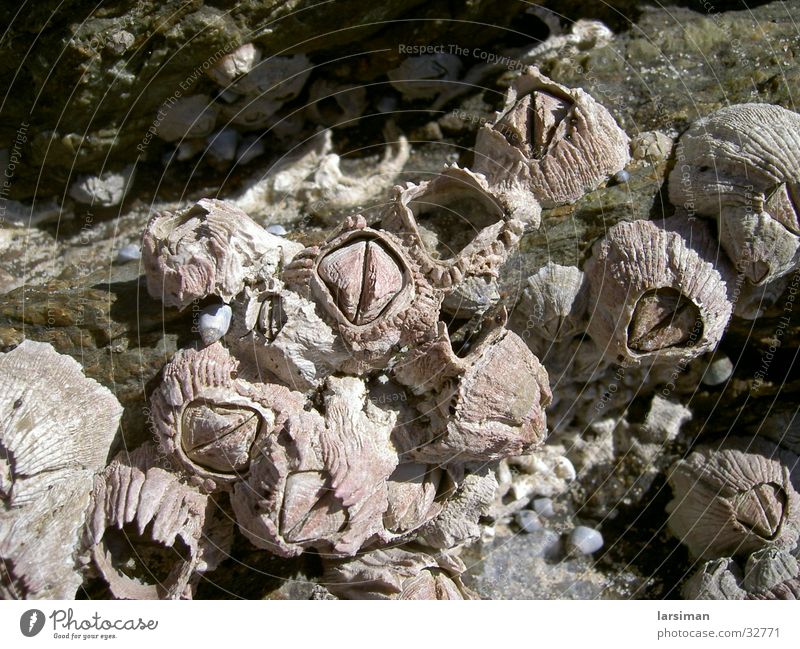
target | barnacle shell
x=211, y=422
x=336, y=104
x=56, y=433
x=232, y=66
x=486, y=405
x=730, y=502
x=321, y=483
x=278, y=332
x=398, y=573
x=786, y=590
x=143, y=516
x=461, y=233
x=655, y=294
x=424, y=77
x=252, y=112
x=552, y=305
x=186, y=117
x=211, y=248
x=556, y=142
x=769, y=567
x=741, y=166
x=716, y=579
x=370, y=289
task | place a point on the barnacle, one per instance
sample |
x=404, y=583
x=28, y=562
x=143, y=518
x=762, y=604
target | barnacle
x=556, y=142
x=212, y=422
x=729, y=502
x=741, y=167
x=148, y=534
x=56, y=432
x=211, y=248
x=656, y=293
x=370, y=289
x=187, y=117
x=486, y=405
x=461, y=233
x=398, y=573
x=321, y=482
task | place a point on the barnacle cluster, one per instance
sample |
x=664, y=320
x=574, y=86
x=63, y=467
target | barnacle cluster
x=373, y=397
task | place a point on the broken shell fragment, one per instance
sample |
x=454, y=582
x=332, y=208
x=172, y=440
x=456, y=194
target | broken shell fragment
x=655, y=294
x=56, y=433
x=212, y=248
x=398, y=573
x=210, y=421
x=149, y=535
x=424, y=77
x=741, y=167
x=556, y=142
x=732, y=502
x=187, y=117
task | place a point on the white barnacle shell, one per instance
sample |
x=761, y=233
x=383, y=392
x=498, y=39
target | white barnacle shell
x=186, y=117
x=424, y=77
x=741, y=166
x=279, y=78
x=486, y=405
x=370, y=289
x=716, y=579
x=556, y=142
x=252, y=112
x=276, y=331
x=767, y=568
x=732, y=502
x=211, y=248
x=553, y=304
x=407, y=572
x=656, y=294
x=149, y=535
x=461, y=233
x=234, y=65
x=212, y=422
x=321, y=483
x=336, y=104
x=56, y=432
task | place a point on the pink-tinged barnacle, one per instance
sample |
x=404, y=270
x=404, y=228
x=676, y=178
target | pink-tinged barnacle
x=557, y=143
x=655, y=294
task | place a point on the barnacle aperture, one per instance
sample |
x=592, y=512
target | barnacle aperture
x=363, y=277
x=219, y=436
x=663, y=318
x=535, y=122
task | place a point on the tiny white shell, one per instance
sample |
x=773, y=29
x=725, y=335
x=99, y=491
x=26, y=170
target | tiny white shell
x=585, y=540
x=214, y=322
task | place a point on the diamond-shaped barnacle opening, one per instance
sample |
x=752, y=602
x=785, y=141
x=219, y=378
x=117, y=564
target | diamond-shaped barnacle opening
x=450, y=211
x=363, y=275
x=664, y=318
x=761, y=509
x=219, y=436
x=536, y=122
